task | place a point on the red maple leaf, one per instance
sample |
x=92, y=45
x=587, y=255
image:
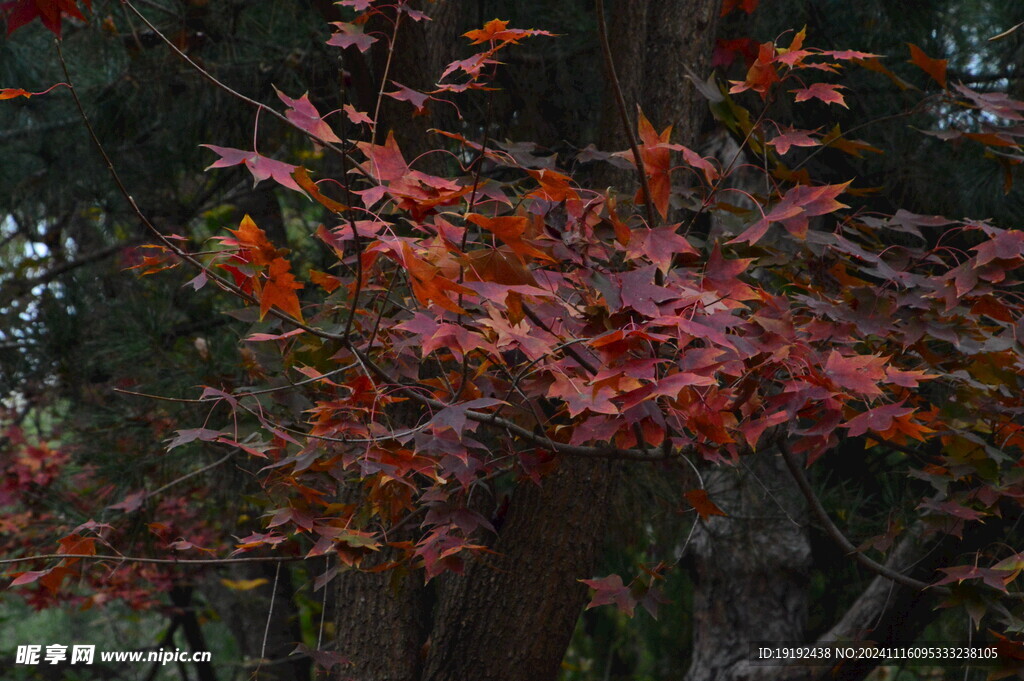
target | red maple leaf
x=21, y=12
x=859, y=373
x=793, y=138
x=878, y=419
x=826, y=92
x=414, y=97
x=701, y=503
x=748, y=6
x=261, y=167
x=610, y=590
x=660, y=245
x=1005, y=245
x=349, y=35
x=799, y=203
x=302, y=113
x=357, y=117
x=386, y=161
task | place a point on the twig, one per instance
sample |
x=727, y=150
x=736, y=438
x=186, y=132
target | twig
x=270, y=615
x=192, y=474
x=568, y=347
x=226, y=88
x=384, y=79
x=488, y=419
x=539, y=439
x=153, y=561
x=627, y=124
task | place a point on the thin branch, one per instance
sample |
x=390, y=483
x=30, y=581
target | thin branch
x=487, y=419
x=384, y=79
x=538, y=439
x=192, y=474
x=270, y=615
x=170, y=245
x=568, y=347
x=865, y=124
x=627, y=124
x=153, y=561
x=65, y=267
x=239, y=395
x=260, y=106
x=164, y=398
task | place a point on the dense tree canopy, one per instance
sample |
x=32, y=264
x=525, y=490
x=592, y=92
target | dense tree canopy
x=703, y=312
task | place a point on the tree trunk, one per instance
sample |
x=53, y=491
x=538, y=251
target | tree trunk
x=381, y=625
x=422, y=50
x=655, y=45
x=510, y=618
x=750, y=569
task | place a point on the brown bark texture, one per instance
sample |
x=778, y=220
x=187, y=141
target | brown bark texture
x=655, y=45
x=512, y=613
x=750, y=569
x=511, y=616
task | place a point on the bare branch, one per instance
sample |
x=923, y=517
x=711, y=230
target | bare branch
x=627, y=123
x=154, y=561
x=836, y=534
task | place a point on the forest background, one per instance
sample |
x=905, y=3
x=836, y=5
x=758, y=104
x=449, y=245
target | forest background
x=94, y=464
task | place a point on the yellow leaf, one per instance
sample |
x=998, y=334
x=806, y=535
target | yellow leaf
x=243, y=584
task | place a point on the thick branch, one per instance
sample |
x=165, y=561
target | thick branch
x=836, y=534
x=873, y=600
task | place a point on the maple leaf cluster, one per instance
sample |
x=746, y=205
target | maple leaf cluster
x=537, y=316
x=478, y=326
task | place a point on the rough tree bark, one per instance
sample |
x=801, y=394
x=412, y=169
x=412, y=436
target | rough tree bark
x=750, y=569
x=655, y=45
x=509, y=618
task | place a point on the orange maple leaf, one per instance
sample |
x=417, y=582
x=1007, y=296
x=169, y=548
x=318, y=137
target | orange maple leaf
x=509, y=229
x=701, y=503
x=428, y=285
x=497, y=30
x=657, y=162
x=936, y=68
x=279, y=290
x=761, y=75
x=12, y=92
x=254, y=240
